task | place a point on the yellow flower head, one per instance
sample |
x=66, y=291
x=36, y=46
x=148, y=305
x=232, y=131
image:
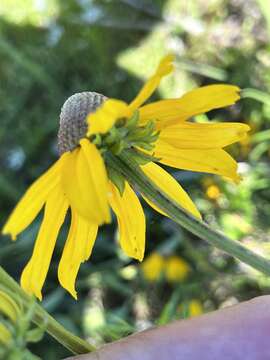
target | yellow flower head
x=153, y=266
x=176, y=269
x=81, y=181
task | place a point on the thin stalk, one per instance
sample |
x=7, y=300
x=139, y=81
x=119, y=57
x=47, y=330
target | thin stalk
x=256, y=94
x=146, y=187
x=72, y=342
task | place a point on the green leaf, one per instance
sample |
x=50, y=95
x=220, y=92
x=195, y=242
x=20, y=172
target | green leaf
x=117, y=179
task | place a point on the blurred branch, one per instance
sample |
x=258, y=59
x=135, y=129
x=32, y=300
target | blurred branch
x=209, y=71
x=255, y=95
x=72, y=342
x=261, y=136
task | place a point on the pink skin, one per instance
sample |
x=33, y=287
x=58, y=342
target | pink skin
x=235, y=333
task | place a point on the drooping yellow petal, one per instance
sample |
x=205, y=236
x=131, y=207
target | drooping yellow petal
x=164, y=68
x=198, y=101
x=167, y=184
x=92, y=175
x=105, y=117
x=203, y=136
x=69, y=181
x=214, y=161
x=32, y=201
x=131, y=221
x=36, y=270
x=78, y=248
x=84, y=180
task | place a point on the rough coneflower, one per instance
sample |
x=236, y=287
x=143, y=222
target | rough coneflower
x=93, y=126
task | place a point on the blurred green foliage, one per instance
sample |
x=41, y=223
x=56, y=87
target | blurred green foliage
x=52, y=49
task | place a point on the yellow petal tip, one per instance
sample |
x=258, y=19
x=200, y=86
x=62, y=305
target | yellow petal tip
x=235, y=178
x=198, y=215
x=238, y=178
x=70, y=288
x=7, y=232
x=166, y=66
x=31, y=291
x=73, y=293
x=138, y=254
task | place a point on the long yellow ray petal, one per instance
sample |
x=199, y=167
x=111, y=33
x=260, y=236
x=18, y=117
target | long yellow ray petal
x=93, y=181
x=84, y=181
x=169, y=186
x=203, y=136
x=214, y=161
x=69, y=181
x=32, y=201
x=36, y=270
x=105, y=117
x=198, y=101
x=131, y=221
x=164, y=68
x=78, y=248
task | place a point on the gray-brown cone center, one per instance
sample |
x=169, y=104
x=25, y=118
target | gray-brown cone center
x=73, y=126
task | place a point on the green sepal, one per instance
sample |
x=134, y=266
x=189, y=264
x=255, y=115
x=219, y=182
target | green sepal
x=97, y=140
x=144, y=146
x=128, y=134
x=139, y=157
x=118, y=147
x=142, y=132
x=112, y=136
x=132, y=122
x=117, y=179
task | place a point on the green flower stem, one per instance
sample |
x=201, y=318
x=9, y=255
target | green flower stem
x=146, y=187
x=72, y=342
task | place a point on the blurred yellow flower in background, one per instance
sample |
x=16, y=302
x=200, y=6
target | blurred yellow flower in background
x=213, y=192
x=190, y=309
x=195, y=308
x=153, y=267
x=176, y=269
x=211, y=189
